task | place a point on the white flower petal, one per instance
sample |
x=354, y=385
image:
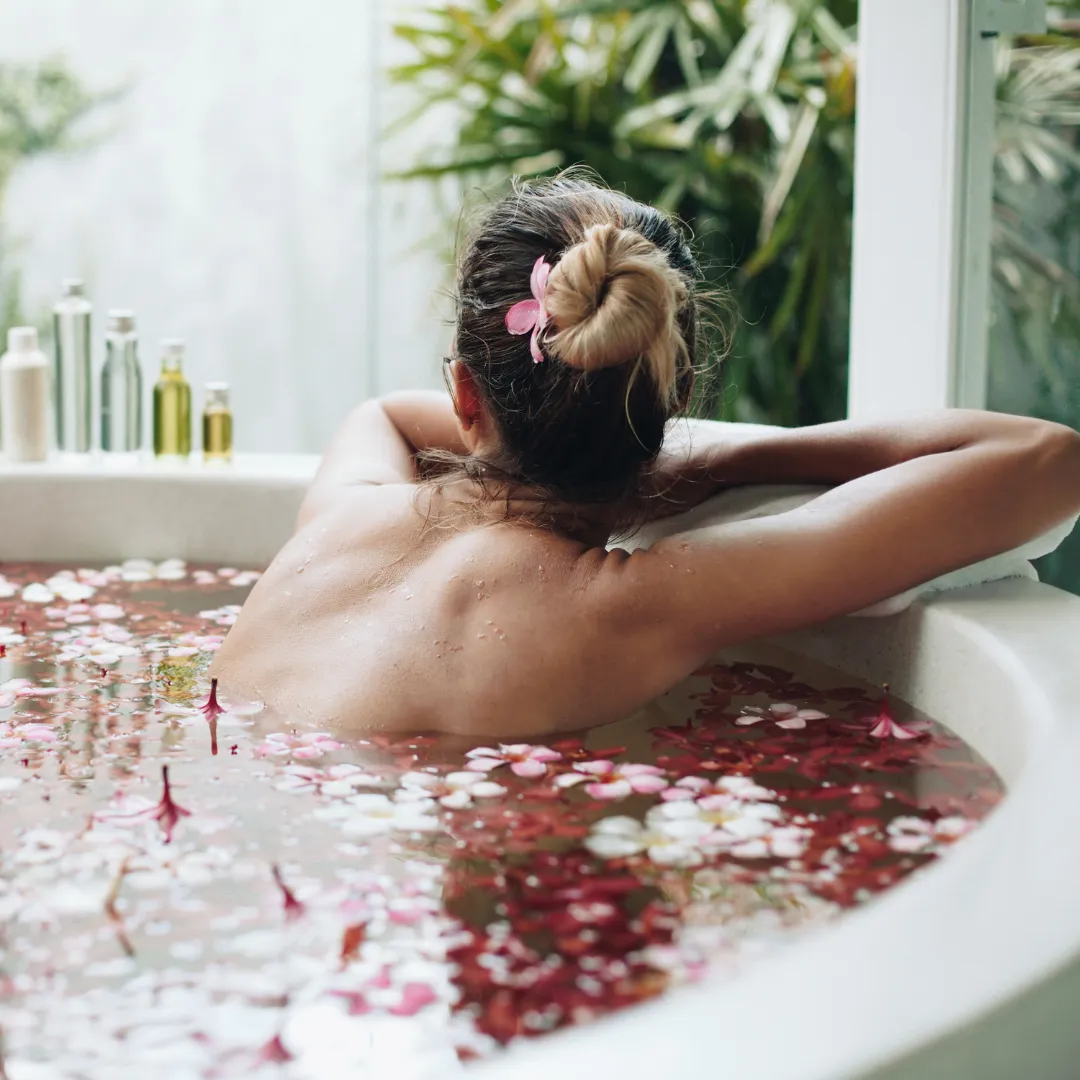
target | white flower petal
x=618, y=825
x=674, y=855
x=613, y=846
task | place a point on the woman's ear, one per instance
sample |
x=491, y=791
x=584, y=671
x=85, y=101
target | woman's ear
x=466, y=396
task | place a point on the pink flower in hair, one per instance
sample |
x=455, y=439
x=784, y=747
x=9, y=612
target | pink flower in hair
x=530, y=315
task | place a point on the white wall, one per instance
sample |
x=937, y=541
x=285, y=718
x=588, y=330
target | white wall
x=233, y=203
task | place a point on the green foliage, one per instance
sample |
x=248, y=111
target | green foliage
x=737, y=116
x=1034, y=354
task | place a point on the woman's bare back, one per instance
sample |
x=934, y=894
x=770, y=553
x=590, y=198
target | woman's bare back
x=374, y=616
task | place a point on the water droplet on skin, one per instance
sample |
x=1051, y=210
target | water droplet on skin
x=481, y=635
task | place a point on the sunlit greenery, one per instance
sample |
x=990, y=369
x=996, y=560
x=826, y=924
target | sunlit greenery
x=739, y=116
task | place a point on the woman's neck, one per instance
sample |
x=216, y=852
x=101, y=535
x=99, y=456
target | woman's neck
x=490, y=501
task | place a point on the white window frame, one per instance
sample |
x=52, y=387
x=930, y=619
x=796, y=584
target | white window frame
x=924, y=143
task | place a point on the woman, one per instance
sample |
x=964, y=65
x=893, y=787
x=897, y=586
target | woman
x=450, y=569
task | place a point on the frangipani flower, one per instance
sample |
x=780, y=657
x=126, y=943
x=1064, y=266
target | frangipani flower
x=523, y=759
x=455, y=791
x=667, y=840
x=312, y=744
x=16, y=734
x=913, y=835
x=746, y=830
x=614, y=781
x=373, y=814
x=884, y=726
x=733, y=787
x=531, y=315
x=784, y=715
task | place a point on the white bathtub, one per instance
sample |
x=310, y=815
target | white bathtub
x=968, y=970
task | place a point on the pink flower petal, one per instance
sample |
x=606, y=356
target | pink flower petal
x=484, y=764
x=595, y=768
x=484, y=752
x=538, y=279
x=648, y=785
x=569, y=779
x=782, y=708
x=746, y=721
x=641, y=770
x=414, y=997
x=534, y=346
x=887, y=727
x=522, y=317
x=710, y=803
x=544, y=753
x=528, y=767
x=694, y=783
x=617, y=789
x=813, y=714
x=676, y=794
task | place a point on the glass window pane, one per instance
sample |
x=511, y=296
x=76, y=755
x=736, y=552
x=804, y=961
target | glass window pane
x=1034, y=360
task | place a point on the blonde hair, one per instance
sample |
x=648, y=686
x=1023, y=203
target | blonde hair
x=614, y=298
x=622, y=349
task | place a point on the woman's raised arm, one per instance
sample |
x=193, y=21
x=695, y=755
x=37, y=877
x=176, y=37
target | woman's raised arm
x=378, y=443
x=915, y=499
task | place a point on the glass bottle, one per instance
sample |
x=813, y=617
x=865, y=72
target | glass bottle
x=121, y=386
x=172, y=404
x=71, y=369
x=217, y=423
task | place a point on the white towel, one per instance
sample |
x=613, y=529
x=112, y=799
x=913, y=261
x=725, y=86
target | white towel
x=762, y=500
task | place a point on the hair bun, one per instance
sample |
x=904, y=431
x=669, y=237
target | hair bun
x=614, y=298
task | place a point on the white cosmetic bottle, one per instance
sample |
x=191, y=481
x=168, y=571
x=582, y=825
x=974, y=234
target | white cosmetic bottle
x=24, y=397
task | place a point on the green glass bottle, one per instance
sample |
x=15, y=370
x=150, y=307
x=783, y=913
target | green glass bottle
x=172, y=404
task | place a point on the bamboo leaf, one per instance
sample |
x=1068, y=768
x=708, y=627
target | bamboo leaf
x=788, y=166
x=648, y=52
x=778, y=24
x=686, y=51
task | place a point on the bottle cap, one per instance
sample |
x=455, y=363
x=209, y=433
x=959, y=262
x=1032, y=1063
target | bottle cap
x=72, y=286
x=172, y=354
x=217, y=393
x=121, y=321
x=22, y=339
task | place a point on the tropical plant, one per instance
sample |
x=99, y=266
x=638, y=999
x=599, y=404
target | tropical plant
x=1034, y=355
x=737, y=116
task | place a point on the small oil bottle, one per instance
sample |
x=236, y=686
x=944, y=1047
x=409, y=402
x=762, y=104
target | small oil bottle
x=217, y=433
x=121, y=386
x=172, y=404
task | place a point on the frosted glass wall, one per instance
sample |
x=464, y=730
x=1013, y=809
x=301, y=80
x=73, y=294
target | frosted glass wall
x=234, y=203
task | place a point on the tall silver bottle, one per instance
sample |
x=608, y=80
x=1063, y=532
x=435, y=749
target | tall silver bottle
x=121, y=386
x=71, y=370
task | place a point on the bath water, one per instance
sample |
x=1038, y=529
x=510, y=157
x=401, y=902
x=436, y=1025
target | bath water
x=194, y=886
